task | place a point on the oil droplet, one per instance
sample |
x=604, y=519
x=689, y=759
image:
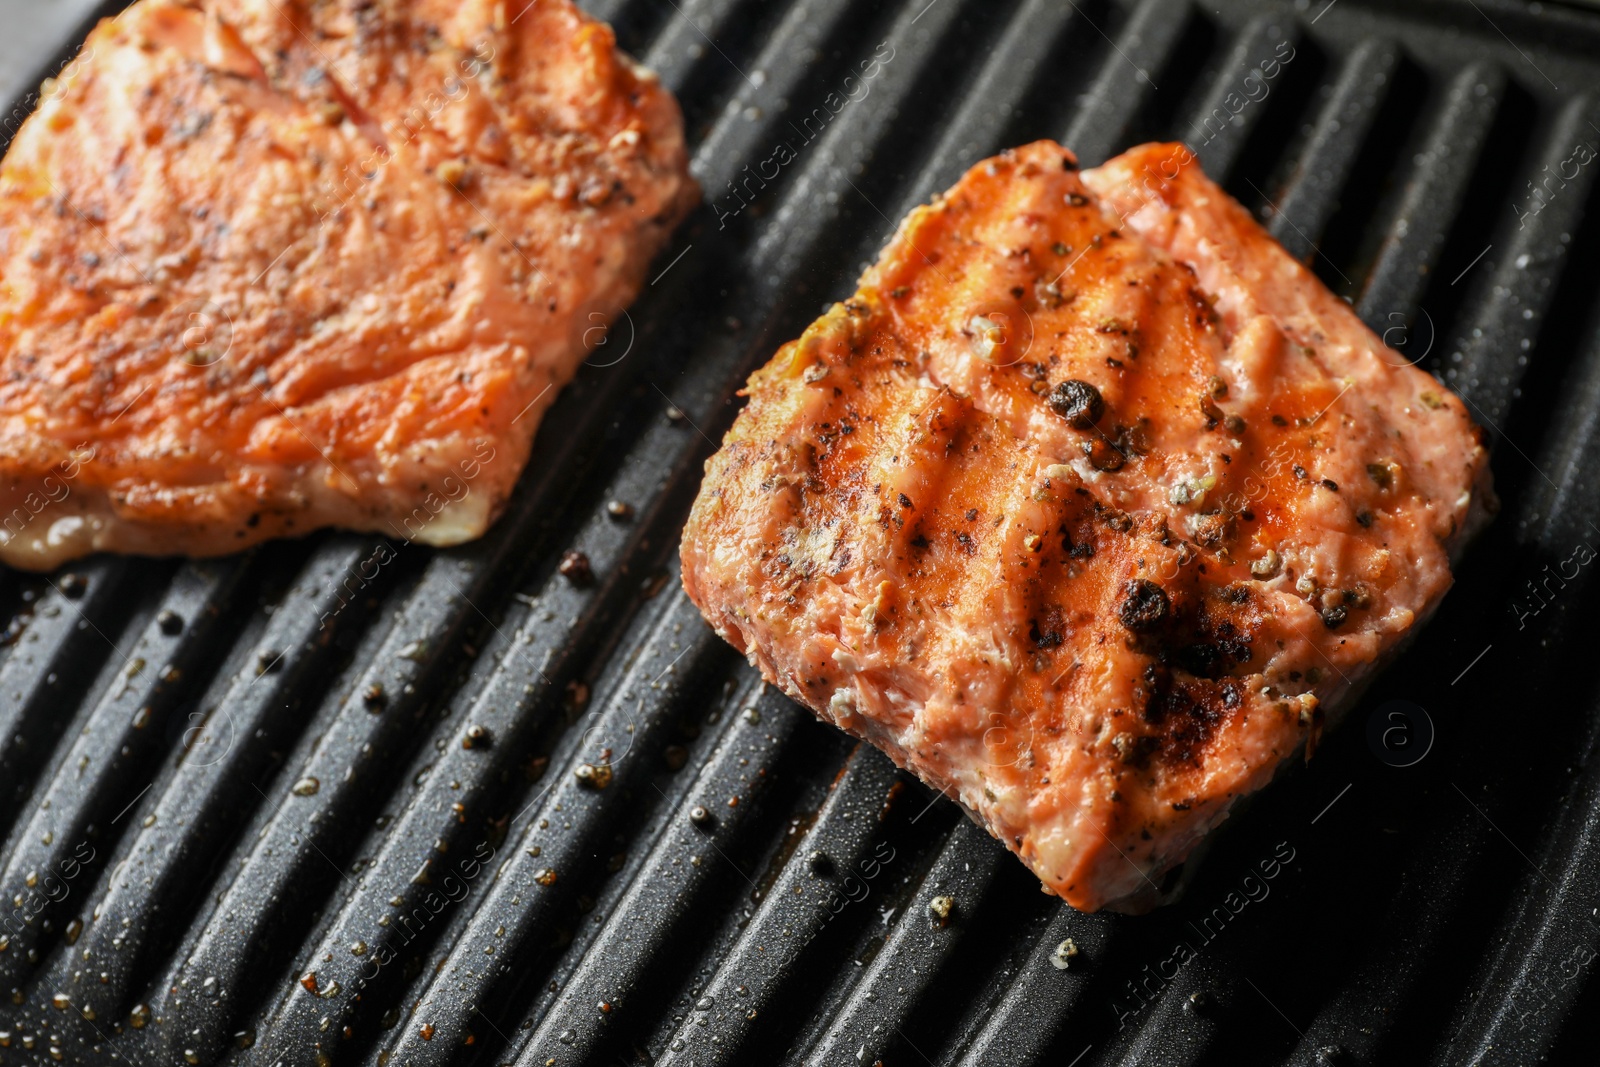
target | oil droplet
x=245, y=1038
x=309, y=980
x=305, y=787
x=358, y=949
x=704, y=1004
x=61, y=1001
x=139, y=1016
x=546, y=876
x=74, y=928
x=568, y=1036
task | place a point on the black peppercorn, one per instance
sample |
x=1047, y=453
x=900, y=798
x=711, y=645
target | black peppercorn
x=1078, y=402
x=1144, y=605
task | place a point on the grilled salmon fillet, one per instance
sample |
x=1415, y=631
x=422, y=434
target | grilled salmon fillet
x=273, y=265
x=1090, y=507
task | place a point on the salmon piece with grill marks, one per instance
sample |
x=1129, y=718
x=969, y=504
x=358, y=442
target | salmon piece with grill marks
x=1092, y=507
x=273, y=265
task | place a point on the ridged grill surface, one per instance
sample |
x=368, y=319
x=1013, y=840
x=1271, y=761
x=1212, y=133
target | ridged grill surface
x=336, y=801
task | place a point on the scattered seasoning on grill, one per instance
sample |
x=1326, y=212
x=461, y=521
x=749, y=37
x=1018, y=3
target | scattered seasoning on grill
x=1198, y=1002
x=476, y=737
x=619, y=510
x=170, y=621
x=752, y=716
x=1144, y=605
x=1330, y=1056
x=73, y=586
x=139, y=1017
x=939, y=909
x=593, y=775
x=1064, y=954
x=426, y=1031
x=575, y=568
x=546, y=876
x=306, y=787
x=821, y=865
x=375, y=698
x=268, y=662
x=245, y=1039
x=1078, y=402
x=675, y=413
x=309, y=980
x=699, y=815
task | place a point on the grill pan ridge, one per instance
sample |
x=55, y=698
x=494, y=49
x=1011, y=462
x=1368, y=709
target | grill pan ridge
x=351, y=801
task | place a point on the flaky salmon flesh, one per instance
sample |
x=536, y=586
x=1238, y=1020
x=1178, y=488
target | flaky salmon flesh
x=1090, y=507
x=273, y=265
